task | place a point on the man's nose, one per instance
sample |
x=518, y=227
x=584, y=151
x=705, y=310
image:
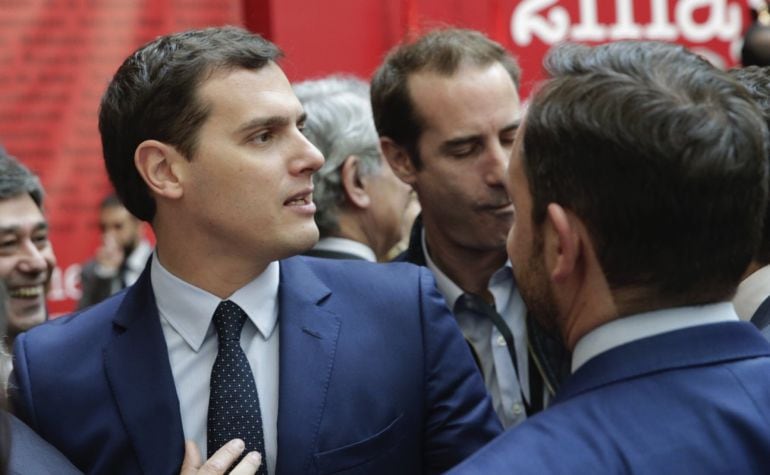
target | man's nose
x=32, y=259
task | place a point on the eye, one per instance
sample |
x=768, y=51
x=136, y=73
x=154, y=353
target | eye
x=263, y=137
x=506, y=141
x=8, y=244
x=40, y=240
x=463, y=151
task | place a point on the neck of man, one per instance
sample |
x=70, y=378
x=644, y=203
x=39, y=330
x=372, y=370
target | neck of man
x=207, y=266
x=351, y=228
x=469, y=268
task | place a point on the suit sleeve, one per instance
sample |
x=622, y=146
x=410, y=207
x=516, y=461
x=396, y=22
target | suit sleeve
x=19, y=390
x=460, y=417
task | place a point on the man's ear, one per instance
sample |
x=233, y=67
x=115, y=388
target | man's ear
x=352, y=183
x=562, y=243
x=160, y=167
x=400, y=161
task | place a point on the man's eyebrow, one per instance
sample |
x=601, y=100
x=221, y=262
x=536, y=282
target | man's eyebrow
x=459, y=141
x=512, y=127
x=15, y=228
x=466, y=139
x=268, y=122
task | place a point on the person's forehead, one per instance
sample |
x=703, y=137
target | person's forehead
x=115, y=212
x=20, y=211
x=228, y=87
x=459, y=97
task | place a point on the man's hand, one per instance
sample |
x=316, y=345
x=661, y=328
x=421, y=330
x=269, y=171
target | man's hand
x=110, y=255
x=220, y=461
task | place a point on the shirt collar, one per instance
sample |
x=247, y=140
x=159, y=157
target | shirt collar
x=635, y=327
x=189, y=309
x=338, y=244
x=452, y=291
x=138, y=257
x=752, y=291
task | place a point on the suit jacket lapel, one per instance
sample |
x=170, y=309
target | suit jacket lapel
x=308, y=340
x=700, y=345
x=138, y=371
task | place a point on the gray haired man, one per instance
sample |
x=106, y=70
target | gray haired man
x=360, y=201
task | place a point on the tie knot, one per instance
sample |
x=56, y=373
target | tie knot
x=228, y=320
x=473, y=302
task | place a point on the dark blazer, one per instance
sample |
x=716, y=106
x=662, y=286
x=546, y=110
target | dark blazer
x=30, y=454
x=332, y=254
x=695, y=400
x=761, y=318
x=374, y=378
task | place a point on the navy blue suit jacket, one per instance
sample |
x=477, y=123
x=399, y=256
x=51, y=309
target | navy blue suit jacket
x=29, y=454
x=375, y=378
x=684, y=402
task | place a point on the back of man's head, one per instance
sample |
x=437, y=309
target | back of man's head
x=339, y=123
x=16, y=179
x=153, y=96
x=662, y=157
x=757, y=81
x=441, y=51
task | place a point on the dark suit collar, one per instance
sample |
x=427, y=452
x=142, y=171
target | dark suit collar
x=329, y=254
x=699, y=345
x=414, y=253
x=308, y=340
x=139, y=374
x=761, y=317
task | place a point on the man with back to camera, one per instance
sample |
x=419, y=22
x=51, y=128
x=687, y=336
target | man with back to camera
x=632, y=231
x=360, y=202
x=202, y=136
x=752, y=299
x=120, y=258
x=446, y=108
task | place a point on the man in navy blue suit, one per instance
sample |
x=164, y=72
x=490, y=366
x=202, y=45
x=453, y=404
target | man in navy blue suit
x=343, y=366
x=639, y=179
x=752, y=300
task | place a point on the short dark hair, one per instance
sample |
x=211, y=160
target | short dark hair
x=661, y=155
x=153, y=96
x=16, y=179
x=756, y=80
x=442, y=51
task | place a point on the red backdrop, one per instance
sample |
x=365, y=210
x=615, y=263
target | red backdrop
x=56, y=57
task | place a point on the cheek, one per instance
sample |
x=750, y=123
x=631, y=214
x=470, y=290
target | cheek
x=7, y=265
x=50, y=258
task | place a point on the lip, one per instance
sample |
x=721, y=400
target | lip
x=497, y=208
x=301, y=202
x=26, y=292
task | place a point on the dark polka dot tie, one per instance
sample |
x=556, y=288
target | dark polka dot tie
x=233, y=403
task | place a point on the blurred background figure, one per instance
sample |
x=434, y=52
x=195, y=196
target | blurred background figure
x=26, y=255
x=360, y=203
x=121, y=257
x=752, y=300
x=756, y=41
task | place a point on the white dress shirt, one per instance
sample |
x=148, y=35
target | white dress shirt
x=348, y=246
x=752, y=291
x=500, y=378
x=635, y=327
x=186, y=314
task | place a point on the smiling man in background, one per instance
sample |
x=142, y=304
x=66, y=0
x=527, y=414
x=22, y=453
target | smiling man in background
x=26, y=255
